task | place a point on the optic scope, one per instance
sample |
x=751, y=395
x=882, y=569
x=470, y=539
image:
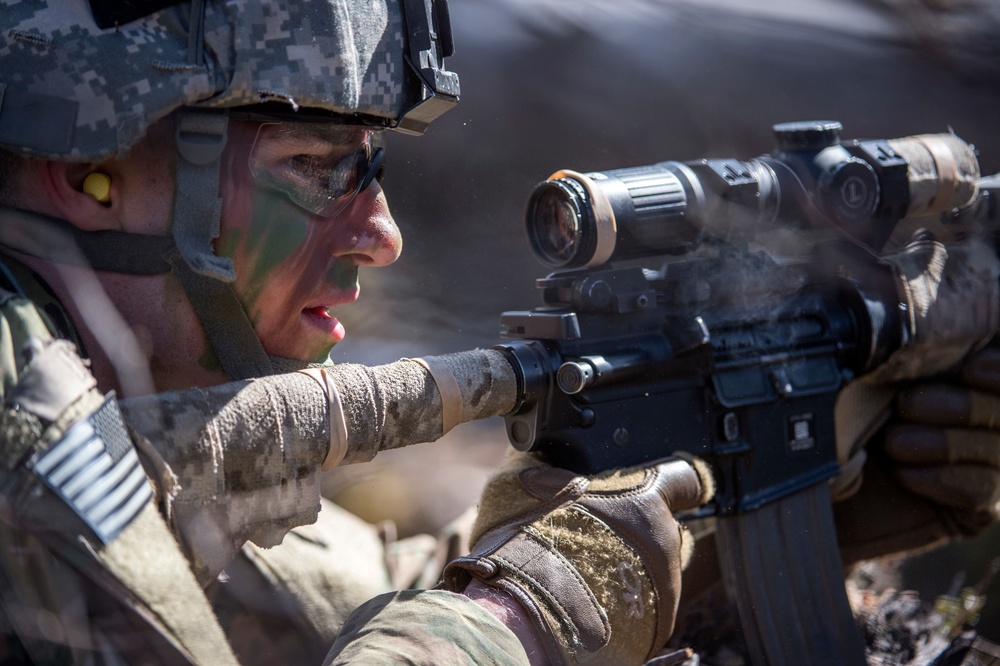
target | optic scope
x=811, y=181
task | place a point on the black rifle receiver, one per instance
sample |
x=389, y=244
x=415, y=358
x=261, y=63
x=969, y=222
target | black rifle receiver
x=770, y=298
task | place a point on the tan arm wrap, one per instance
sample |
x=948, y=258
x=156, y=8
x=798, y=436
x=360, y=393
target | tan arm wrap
x=338, y=424
x=263, y=431
x=447, y=385
x=398, y=404
x=943, y=172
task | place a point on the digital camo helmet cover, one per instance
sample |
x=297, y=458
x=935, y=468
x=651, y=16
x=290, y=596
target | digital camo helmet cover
x=71, y=89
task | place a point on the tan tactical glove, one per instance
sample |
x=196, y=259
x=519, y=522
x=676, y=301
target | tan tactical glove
x=596, y=562
x=949, y=296
x=934, y=472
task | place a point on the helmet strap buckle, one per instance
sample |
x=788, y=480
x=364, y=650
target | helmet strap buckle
x=201, y=138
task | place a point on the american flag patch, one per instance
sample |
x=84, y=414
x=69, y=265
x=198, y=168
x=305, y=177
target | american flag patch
x=95, y=470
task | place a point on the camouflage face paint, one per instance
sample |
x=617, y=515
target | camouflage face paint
x=276, y=234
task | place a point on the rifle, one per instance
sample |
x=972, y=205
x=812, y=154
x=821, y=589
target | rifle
x=772, y=296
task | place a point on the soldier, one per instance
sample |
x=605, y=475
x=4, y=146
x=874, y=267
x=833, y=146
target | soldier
x=187, y=195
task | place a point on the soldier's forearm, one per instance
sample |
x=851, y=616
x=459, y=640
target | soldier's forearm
x=234, y=463
x=241, y=458
x=246, y=434
x=272, y=428
x=502, y=606
x=408, y=402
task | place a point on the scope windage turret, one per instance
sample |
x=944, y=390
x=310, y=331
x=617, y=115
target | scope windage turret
x=811, y=180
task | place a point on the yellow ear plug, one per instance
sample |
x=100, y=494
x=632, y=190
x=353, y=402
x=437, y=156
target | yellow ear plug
x=98, y=185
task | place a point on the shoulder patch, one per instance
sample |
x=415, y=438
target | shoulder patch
x=95, y=470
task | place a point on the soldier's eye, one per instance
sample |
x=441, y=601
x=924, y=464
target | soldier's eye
x=315, y=172
x=306, y=166
x=301, y=164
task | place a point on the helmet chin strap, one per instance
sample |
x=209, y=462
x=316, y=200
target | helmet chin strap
x=60, y=242
x=207, y=278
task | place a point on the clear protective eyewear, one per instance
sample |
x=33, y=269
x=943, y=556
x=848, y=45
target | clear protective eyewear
x=321, y=167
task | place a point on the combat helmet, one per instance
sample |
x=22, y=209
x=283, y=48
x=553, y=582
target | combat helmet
x=83, y=81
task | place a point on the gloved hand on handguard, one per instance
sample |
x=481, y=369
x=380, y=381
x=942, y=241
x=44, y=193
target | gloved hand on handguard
x=934, y=472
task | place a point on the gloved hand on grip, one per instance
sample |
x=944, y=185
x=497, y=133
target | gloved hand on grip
x=935, y=475
x=595, y=561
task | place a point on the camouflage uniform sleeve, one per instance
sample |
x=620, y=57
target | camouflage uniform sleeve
x=238, y=462
x=425, y=627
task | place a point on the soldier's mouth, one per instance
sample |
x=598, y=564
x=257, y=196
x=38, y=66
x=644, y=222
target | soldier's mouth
x=319, y=311
x=321, y=317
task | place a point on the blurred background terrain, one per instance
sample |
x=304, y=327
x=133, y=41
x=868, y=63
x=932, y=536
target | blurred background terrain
x=593, y=85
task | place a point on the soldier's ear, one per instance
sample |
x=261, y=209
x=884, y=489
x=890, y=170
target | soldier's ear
x=85, y=195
